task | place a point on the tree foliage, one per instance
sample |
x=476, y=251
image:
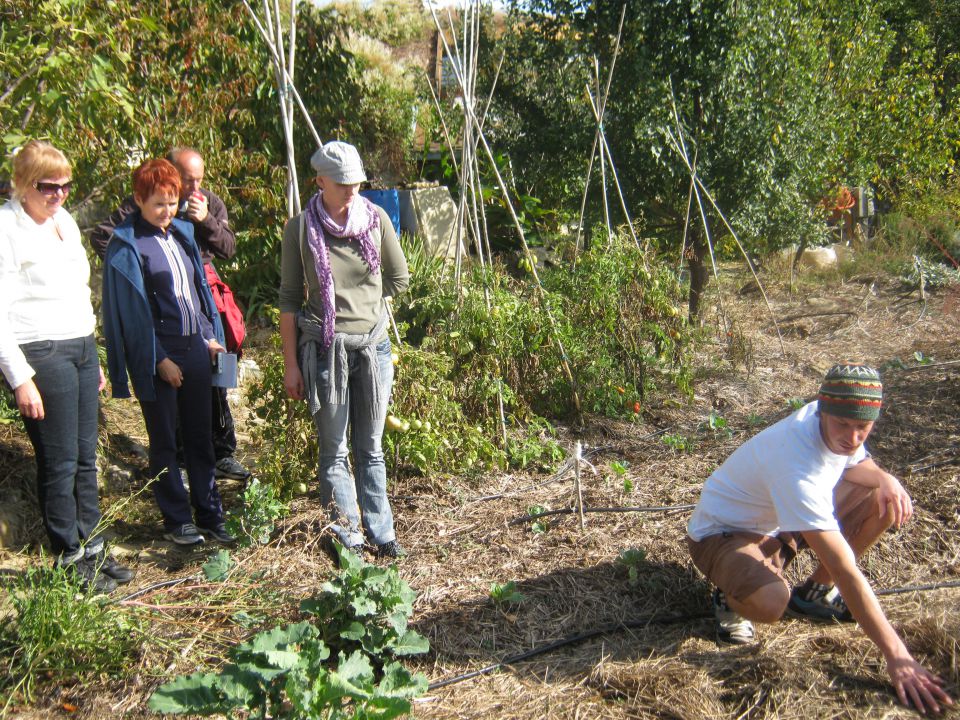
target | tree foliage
x=113, y=81
x=781, y=101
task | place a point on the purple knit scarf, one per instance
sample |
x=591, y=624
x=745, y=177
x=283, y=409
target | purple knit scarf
x=362, y=221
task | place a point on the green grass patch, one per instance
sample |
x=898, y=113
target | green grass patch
x=59, y=635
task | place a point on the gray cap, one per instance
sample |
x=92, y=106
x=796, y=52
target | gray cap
x=339, y=161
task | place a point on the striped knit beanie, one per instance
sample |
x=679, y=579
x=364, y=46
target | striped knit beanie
x=851, y=390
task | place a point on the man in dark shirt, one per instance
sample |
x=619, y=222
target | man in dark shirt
x=215, y=237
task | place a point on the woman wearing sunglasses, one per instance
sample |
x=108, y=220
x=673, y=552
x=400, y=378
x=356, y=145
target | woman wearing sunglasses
x=48, y=355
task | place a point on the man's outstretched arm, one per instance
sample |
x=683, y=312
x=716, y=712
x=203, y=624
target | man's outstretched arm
x=914, y=683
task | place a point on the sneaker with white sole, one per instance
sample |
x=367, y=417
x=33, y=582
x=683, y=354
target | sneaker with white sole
x=186, y=534
x=219, y=533
x=732, y=629
x=823, y=603
x=228, y=467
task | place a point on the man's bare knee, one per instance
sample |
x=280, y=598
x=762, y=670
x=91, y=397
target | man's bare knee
x=763, y=605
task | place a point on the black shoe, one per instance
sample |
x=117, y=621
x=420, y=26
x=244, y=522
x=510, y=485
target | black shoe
x=219, y=533
x=91, y=580
x=391, y=549
x=819, y=602
x=228, y=467
x=106, y=565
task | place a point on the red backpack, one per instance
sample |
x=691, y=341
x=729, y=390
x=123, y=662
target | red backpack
x=234, y=330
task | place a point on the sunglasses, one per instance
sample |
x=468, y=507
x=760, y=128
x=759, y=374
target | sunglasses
x=51, y=189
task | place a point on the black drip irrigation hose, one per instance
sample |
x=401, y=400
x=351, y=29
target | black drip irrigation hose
x=570, y=511
x=918, y=588
x=571, y=640
x=637, y=624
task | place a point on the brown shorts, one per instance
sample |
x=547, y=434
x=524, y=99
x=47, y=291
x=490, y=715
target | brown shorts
x=740, y=563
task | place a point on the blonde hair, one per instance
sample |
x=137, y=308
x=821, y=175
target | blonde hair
x=37, y=160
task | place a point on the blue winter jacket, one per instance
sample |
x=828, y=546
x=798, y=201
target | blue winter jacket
x=127, y=319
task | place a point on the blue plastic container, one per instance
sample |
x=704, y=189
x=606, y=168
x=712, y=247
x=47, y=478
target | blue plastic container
x=389, y=200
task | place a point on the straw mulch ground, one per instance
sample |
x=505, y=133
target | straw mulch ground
x=662, y=662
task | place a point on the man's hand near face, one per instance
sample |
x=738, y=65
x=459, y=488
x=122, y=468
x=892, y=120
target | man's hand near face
x=197, y=207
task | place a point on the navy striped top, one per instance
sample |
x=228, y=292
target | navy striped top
x=171, y=284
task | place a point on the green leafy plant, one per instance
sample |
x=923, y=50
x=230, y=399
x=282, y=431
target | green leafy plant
x=366, y=607
x=924, y=273
x=632, y=559
x=796, y=403
x=505, y=594
x=8, y=408
x=620, y=470
x=285, y=673
x=254, y=521
x=284, y=435
x=677, y=441
x=289, y=672
x=717, y=424
x=755, y=420
x=539, y=525
x=58, y=633
x=218, y=567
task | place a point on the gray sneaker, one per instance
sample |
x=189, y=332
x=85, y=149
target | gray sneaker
x=229, y=468
x=732, y=629
x=218, y=533
x=186, y=534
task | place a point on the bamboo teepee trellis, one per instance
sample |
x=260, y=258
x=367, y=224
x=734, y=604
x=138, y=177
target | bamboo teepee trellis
x=464, y=57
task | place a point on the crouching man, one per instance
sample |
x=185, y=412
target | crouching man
x=807, y=481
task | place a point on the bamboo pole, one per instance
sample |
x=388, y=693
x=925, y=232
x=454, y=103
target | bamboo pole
x=613, y=172
x=577, y=460
x=583, y=201
x=597, y=135
x=287, y=78
x=686, y=222
x=681, y=151
x=603, y=164
x=279, y=70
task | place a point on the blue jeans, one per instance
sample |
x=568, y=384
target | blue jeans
x=341, y=494
x=65, y=441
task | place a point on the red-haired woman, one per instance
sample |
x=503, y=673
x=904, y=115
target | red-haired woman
x=162, y=327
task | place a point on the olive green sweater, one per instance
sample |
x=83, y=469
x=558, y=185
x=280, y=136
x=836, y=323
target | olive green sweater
x=359, y=293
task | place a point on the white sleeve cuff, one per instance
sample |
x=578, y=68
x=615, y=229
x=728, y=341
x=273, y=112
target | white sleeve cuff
x=17, y=372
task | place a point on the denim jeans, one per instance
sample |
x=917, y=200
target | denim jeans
x=340, y=492
x=65, y=441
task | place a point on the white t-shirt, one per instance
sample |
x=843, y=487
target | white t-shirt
x=780, y=480
x=44, y=285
